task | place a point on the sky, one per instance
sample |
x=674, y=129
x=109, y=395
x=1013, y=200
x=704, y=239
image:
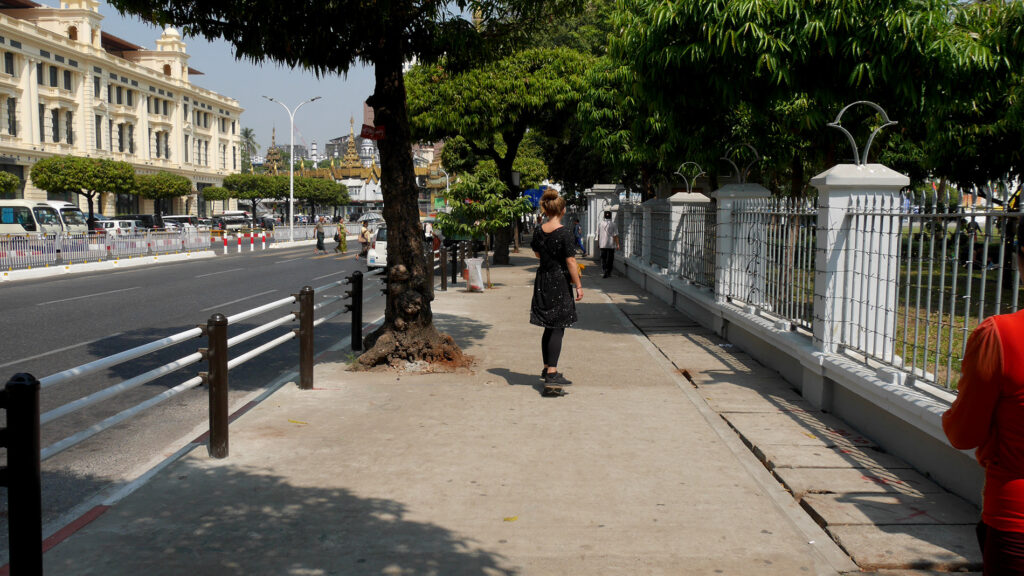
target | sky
x=341, y=97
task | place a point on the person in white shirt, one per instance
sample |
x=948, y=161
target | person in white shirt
x=608, y=242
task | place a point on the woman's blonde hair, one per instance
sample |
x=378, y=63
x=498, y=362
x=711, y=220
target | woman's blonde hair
x=552, y=203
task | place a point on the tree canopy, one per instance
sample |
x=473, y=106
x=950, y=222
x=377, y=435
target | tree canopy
x=88, y=177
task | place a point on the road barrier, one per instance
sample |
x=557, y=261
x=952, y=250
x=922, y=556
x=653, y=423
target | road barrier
x=21, y=438
x=19, y=252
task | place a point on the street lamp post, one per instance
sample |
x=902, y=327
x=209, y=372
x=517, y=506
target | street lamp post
x=291, y=162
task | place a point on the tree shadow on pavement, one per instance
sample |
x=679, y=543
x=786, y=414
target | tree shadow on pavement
x=465, y=331
x=211, y=518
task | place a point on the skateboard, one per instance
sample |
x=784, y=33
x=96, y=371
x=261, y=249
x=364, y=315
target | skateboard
x=553, y=391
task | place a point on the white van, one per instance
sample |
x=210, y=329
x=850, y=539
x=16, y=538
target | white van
x=28, y=217
x=71, y=217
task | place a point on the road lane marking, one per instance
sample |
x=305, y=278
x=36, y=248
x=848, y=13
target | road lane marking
x=329, y=275
x=89, y=296
x=64, y=349
x=237, y=301
x=221, y=272
x=291, y=260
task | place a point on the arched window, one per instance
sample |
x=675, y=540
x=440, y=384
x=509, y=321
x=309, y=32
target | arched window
x=167, y=69
x=73, y=32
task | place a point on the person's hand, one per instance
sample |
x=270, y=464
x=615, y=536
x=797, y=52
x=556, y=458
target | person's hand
x=579, y=293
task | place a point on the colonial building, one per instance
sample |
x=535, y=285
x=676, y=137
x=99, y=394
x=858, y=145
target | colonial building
x=67, y=87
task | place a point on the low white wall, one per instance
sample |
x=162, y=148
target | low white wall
x=903, y=420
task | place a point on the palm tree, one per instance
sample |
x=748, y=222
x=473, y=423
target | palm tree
x=249, y=147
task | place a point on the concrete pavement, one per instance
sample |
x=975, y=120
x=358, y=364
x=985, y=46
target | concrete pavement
x=673, y=454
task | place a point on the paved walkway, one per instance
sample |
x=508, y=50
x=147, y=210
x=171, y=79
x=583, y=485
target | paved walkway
x=637, y=471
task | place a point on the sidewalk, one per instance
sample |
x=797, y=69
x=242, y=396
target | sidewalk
x=636, y=471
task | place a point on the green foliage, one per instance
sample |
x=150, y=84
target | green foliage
x=9, y=184
x=321, y=192
x=162, y=185
x=86, y=177
x=216, y=193
x=480, y=205
x=249, y=147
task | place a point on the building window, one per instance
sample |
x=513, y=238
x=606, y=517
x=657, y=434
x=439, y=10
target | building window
x=96, y=86
x=42, y=123
x=72, y=33
x=157, y=145
x=186, y=148
x=206, y=153
x=120, y=137
x=131, y=139
x=234, y=161
x=12, y=117
x=223, y=125
x=206, y=119
x=110, y=131
x=67, y=79
x=53, y=76
x=99, y=132
x=110, y=94
x=55, y=124
x=9, y=63
x=165, y=108
x=119, y=95
x=68, y=123
x=127, y=203
x=131, y=98
x=167, y=69
x=185, y=116
x=39, y=73
x=167, y=145
x=232, y=126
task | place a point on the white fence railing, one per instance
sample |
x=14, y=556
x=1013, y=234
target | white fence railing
x=30, y=251
x=892, y=279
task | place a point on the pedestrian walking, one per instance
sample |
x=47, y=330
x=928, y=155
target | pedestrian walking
x=577, y=232
x=341, y=242
x=988, y=414
x=553, y=306
x=320, y=249
x=364, y=241
x=608, y=242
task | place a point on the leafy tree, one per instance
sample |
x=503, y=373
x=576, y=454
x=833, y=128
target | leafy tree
x=320, y=192
x=162, y=186
x=329, y=37
x=493, y=106
x=255, y=187
x=216, y=193
x=247, y=139
x=9, y=184
x=88, y=177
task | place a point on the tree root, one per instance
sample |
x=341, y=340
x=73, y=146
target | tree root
x=388, y=346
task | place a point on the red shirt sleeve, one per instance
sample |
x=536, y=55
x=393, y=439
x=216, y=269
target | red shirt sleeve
x=968, y=421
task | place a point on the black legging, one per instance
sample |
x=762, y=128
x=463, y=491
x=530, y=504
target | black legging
x=551, y=345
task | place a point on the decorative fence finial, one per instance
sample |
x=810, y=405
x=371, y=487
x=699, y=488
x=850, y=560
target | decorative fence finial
x=853, y=143
x=741, y=176
x=689, y=183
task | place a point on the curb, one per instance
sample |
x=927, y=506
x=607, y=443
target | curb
x=34, y=273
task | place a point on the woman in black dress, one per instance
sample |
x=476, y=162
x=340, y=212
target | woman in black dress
x=553, y=304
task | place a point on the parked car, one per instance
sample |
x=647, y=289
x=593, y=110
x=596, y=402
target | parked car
x=149, y=221
x=377, y=256
x=71, y=217
x=28, y=217
x=121, y=227
x=183, y=220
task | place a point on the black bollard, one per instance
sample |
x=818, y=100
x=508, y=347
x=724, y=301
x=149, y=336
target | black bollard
x=23, y=475
x=356, y=307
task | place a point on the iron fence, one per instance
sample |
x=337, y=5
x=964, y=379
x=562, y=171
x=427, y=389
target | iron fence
x=957, y=266
x=661, y=236
x=772, y=265
x=19, y=252
x=695, y=236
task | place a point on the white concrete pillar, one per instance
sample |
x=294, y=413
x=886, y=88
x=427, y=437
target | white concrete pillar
x=689, y=234
x=600, y=198
x=856, y=265
x=735, y=274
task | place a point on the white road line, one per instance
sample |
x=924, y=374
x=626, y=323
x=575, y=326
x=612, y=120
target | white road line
x=89, y=296
x=289, y=260
x=237, y=301
x=221, y=272
x=329, y=275
x=64, y=349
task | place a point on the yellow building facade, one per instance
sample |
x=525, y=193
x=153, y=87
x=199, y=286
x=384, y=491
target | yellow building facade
x=68, y=88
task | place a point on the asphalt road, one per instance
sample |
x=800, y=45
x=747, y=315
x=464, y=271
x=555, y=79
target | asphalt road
x=54, y=324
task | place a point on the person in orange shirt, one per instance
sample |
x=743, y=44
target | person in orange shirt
x=988, y=414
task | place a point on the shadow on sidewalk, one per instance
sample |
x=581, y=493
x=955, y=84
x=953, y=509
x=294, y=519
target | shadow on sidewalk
x=224, y=519
x=518, y=378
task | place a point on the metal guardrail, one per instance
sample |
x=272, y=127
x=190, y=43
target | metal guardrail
x=20, y=398
x=18, y=252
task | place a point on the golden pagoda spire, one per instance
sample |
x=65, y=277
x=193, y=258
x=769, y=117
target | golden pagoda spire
x=351, y=154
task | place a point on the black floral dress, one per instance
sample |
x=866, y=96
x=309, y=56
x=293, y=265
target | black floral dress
x=553, y=304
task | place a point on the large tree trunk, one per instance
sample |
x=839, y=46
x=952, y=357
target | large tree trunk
x=408, y=333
